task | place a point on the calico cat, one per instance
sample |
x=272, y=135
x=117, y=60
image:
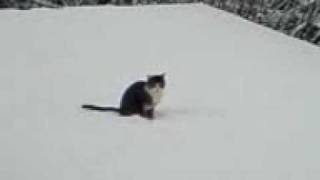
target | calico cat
x=139, y=98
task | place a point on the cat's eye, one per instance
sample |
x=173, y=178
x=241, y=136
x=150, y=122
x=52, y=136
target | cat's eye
x=152, y=85
x=162, y=85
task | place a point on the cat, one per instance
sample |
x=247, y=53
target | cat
x=140, y=98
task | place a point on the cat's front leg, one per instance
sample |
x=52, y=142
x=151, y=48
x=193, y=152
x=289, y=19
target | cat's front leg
x=148, y=112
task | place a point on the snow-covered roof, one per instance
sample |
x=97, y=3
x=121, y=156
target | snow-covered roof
x=242, y=101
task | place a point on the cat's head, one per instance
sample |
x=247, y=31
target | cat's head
x=156, y=80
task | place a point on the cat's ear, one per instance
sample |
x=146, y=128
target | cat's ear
x=163, y=74
x=149, y=76
x=152, y=76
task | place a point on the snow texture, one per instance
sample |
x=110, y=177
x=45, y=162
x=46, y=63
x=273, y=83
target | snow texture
x=242, y=101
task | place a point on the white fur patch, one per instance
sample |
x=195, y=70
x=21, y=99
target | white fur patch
x=156, y=93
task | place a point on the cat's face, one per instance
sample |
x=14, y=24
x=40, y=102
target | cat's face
x=156, y=81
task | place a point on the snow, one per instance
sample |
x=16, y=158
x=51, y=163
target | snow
x=242, y=101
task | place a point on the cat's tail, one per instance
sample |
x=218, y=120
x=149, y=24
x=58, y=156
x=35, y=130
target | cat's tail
x=99, y=108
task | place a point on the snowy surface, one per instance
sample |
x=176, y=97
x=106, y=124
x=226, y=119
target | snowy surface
x=242, y=101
